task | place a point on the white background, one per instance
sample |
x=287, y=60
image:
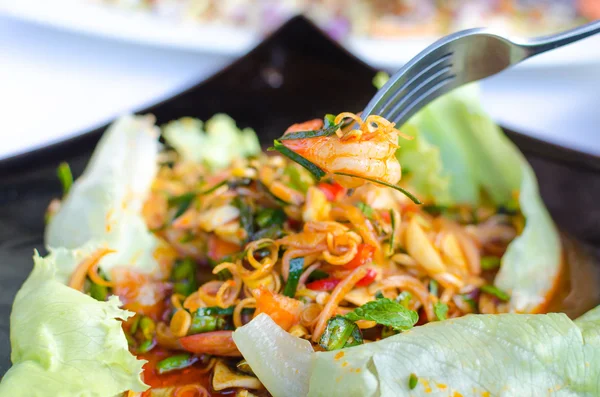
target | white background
x=54, y=84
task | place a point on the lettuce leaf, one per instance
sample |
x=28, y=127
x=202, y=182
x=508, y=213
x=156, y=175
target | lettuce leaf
x=105, y=203
x=65, y=343
x=496, y=355
x=459, y=152
x=217, y=143
x=475, y=355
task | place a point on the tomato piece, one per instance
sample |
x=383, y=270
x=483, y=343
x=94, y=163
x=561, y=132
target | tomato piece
x=283, y=310
x=332, y=190
x=363, y=256
x=367, y=279
x=216, y=343
x=218, y=248
x=326, y=284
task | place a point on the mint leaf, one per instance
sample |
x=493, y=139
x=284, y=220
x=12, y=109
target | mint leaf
x=441, y=310
x=385, y=312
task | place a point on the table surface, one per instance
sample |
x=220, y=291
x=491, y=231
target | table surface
x=58, y=84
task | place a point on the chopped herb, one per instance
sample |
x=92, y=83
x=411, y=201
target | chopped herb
x=366, y=209
x=183, y=276
x=498, y=293
x=393, y=235
x=328, y=130
x=339, y=333
x=182, y=203
x=385, y=312
x=317, y=275
x=380, y=79
x=441, y=310
x=65, y=177
x=246, y=216
x=490, y=262
x=412, y=381
x=379, y=295
x=178, y=361
x=270, y=216
x=272, y=232
x=434, y=287
x=296, y=267
x=404, y=298
x=398, y=188
x=317, y=172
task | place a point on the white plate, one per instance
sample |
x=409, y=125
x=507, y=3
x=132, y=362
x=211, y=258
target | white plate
x=80, y=17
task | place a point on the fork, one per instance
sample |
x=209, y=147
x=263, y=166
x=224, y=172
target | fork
x=455, y=60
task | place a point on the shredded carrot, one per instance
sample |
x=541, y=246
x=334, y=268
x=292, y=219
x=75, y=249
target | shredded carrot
x=78, y=277
x=95, y=277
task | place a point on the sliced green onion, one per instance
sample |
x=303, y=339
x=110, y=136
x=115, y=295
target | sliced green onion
x=441, y=310
x=317, y=172
x=490, y=262
x=398, y=188
x=65, y=177
x=296, y=268
x=412, y=381
x=202, y=324
x=173, y=363
x=339, y=333
x=146, y=346
x=497, y=292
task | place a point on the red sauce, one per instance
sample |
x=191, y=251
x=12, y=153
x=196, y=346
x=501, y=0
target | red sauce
x=193, y=374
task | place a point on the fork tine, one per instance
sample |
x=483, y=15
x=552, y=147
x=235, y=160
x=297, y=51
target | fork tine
x=424, y=96
x=409, y=75
x=429, y=85
x=440, y=68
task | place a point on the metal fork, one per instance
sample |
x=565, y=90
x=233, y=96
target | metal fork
x=458, y=59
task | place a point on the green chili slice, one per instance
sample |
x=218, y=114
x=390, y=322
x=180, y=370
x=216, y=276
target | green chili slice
x=296, y=268
x=173, y=363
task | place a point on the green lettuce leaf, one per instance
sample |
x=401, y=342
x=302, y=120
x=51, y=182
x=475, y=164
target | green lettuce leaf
x=65, y=343
x=217, y=144
x=458, y=153
x=105, y=203
x=501, y=355
x=475, y=355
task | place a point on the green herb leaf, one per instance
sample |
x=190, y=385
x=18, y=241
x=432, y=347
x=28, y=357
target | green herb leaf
x=325, y=131
x=178, y=361
x=490, y=262
x=272, y=232
x=65, y=177
x=246, y=216
x=441, y=310
x=434, y=287
x=366, y=209
x=299, y=181
x=212, y=188
x=412, y=381
x=379, y=295
x=339, y=333
x=497, y=292
x=296, y=268
x=182, y=202
x=385, y=312
x=398, y=188
x=317, y=172
x=270, y=216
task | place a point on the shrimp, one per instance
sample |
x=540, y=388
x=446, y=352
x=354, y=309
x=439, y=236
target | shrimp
x=368, y=151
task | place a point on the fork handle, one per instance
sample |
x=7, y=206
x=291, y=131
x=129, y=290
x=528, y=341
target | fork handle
x=542, y=44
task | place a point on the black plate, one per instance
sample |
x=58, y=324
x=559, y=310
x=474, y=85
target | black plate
x=294, y=75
